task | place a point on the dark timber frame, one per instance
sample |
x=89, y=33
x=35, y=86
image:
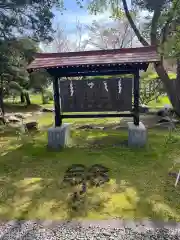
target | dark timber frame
x=96, y=63
x=59, y=116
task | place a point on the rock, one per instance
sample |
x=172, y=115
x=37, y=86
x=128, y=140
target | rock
x=19, y=115
x=27, y=115
x=31, y=125
x=99, y=127
x=47, y=110
x=83, y=127
x=14, y=119
x=38, y=113
x=164, y=119
x=167, y=110
x=167, y=119
x=106, y=233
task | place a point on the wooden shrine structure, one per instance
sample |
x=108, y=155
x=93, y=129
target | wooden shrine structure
x=96, y=95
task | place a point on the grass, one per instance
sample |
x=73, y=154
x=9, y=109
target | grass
x=162, y=101
x=171, y=75
x=36, y=104
x=48, y=119
x=139, y=187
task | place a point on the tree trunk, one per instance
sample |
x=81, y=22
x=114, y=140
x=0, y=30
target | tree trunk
x=172, y=88
x=42, y=96
x=178, y=70
x=1, y=101
x=2, y=110
x=22, y=97
x=28, y=101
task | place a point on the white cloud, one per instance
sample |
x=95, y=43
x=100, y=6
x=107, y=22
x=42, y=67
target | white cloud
x=69, y=20
x=84, y=18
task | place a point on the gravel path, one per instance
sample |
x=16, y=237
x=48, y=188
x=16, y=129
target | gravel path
x=94, y=230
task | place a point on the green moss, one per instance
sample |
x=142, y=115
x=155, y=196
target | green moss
x=139, y=187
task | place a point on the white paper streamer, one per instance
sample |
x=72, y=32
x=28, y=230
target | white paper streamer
x=71, y=89
x=91, y=84
x=105, y=85
x=119, y=86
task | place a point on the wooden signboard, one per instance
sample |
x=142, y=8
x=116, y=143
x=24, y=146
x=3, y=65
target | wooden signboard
x=97, y=95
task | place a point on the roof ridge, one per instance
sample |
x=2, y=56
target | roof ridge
x=97, y=52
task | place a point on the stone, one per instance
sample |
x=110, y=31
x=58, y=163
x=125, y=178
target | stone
x=31, y=125
x=167, y=119
x=19, y=115
x=14, y=119
x=167, y=110
x=27, y=115
x=59, y=136
x=47, y=110
x=85, y=127
x=137, y=135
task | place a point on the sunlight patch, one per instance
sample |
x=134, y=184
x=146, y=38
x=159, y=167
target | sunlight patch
x=164, y=210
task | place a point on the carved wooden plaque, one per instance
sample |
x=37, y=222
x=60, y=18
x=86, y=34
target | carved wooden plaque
x=96, y=95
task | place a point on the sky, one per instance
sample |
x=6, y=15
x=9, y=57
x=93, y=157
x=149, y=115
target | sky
x=74, y=13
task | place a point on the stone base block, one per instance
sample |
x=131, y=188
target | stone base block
x=59, y=136
x=137, y=135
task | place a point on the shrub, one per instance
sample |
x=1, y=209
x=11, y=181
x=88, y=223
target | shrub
x=48, y=94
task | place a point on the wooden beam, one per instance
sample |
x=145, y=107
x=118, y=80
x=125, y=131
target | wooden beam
x=56, y=73
x=95, y=70
x=57, y=106
x=109, y=115
x=136, y=98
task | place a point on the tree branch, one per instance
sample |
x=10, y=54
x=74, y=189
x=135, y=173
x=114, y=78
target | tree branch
x=168, y=22
x=133, y=25
x=154, y=25
x=124, y=36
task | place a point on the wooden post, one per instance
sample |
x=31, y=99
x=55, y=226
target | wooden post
x=57, y=106
x=136, y=98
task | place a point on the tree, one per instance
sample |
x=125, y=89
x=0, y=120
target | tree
x=159, y=32
x=15, y=54
x=27, y=18
x=62, y=43
x=151, y=87
x=39, y=81
x=118, y=35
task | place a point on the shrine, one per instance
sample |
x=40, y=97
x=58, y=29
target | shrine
x=115, y=97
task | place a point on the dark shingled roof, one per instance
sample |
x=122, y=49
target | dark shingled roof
x=95, y=58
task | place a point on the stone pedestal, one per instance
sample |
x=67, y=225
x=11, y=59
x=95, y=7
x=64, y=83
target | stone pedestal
x=137, y=135
x=59, y=136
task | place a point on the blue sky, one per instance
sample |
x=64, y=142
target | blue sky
x=74, y=13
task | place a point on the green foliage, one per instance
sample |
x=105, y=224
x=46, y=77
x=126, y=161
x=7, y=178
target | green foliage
x=14, y=56
x=45, y=99
x=151, y=86
x=49, y=94
x=27, y=18
x=151, y=5
x=39, y=80
x=15, y=86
